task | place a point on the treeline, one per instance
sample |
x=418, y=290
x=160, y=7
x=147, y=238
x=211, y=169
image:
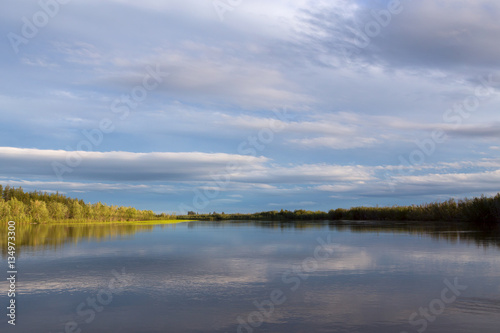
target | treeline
x=21, y=206
x=479, y=210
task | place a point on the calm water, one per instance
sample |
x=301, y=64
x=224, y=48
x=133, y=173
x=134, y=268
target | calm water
x=255, y=277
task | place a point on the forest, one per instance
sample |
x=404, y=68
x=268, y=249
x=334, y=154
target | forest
x=482, y=210
x=37, y=207
x=40, y=207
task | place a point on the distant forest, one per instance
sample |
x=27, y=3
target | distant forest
x=40, y=207
x=483, y=210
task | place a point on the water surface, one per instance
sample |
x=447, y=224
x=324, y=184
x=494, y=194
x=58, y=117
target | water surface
x=256, y=277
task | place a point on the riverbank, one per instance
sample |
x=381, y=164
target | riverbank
x=42, y=207
x=482, y=210
x=84, y=222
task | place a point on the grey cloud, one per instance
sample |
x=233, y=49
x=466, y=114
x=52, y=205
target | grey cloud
x=449, y=184
x=120, y=166
x=477, y=131
x=426, y=34
x=175, y=167
x=168, y=173
x=199, y=73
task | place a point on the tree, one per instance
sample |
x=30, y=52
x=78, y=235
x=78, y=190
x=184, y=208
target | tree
x=38, y=211
x=17, y=210
x=57, y=210
x=6, y=193
x=130, y=213
x=4, y=210
x=75, y=210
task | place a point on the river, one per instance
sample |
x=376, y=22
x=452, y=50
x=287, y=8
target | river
x=255, y=277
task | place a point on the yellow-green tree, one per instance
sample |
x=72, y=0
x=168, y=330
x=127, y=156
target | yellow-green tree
x=4, y=210
x=75, y=210
x=130, y=213
x=57, y=210
x=17, y=210
x=38, y=211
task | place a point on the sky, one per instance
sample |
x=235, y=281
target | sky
x=251, y=105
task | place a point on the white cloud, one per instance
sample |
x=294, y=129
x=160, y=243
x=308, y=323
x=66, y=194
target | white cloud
x=38, y=62
x=162, y=172
x=298, y=204
x=199, y=72
x=80, y=53
x=336, y=142
x=481, y=181
x=122, y=166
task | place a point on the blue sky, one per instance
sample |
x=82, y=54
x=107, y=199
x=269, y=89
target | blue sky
x=251, y=105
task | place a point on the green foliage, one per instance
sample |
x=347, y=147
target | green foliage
x=479, y=210
x=38, y=211
x=75, y=210
x=17, y=210
x=57, y=210
x=40, y=207
x=20, y=206
x=4, y=208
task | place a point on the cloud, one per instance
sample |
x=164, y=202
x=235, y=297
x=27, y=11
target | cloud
x=336, y=142
x=121, y=166
x=486, y=181
x=306, y=173
x=157, y=166
x=293, y=204
x=454, y=34
x=198, y=72
x=339, y=130
x=79, y=53
x=82, y=187
x=164, y=172
x=354, y=109
x=491, y=131
x=38, y=62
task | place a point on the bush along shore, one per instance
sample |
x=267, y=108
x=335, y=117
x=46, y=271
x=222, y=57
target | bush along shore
x=41, y=207
x=482, y=210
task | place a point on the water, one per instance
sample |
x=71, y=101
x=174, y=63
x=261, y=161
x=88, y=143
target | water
x=255, y=277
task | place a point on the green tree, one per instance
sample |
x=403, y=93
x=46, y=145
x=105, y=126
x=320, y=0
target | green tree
x=4, y=210
x=57, y=210
x=130, y=213
x=17, y=210
x=38, y=211
x=75, y=210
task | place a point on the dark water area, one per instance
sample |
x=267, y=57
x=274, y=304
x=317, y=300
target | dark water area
x=255, y=277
